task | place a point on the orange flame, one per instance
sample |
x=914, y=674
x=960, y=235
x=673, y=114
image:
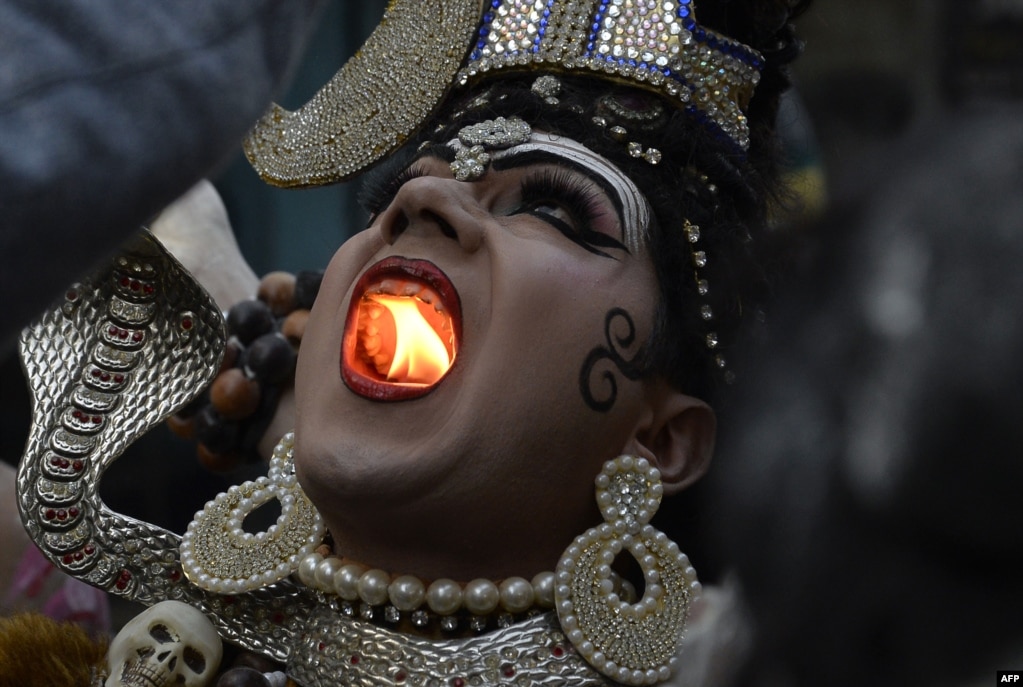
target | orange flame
x=410, y=349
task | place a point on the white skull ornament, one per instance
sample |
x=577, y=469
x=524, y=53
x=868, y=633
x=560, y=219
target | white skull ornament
x=167, y=645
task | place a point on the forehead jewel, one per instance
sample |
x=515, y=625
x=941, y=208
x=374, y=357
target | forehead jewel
x=403, y=72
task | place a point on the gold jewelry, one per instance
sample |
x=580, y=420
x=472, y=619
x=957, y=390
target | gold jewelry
x=633, y=643
x=403, y=72
x=218, y=555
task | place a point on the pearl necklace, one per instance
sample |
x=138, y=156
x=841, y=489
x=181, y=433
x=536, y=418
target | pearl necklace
x=444, y=598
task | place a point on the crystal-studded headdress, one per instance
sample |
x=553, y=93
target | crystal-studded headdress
x=423, y=48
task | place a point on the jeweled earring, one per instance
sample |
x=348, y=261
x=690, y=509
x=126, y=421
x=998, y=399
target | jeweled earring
x=218, y=555
x=633, y=643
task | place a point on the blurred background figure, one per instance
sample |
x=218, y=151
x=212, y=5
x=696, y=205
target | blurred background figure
x=873, y=498
x=110, y=112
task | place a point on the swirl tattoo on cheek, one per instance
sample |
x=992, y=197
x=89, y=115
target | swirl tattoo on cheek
x=612, y=351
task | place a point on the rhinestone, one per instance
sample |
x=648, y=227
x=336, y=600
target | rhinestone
x=420, y=618
x=652, y=155
x=635, y=149
x=449, y=623
x=392, y=614
x=478, y=623
x=700, y=258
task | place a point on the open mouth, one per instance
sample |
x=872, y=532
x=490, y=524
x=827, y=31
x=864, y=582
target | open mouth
x=402, y=332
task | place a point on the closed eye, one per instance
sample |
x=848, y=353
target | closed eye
x=382, y=184
x=378, y=193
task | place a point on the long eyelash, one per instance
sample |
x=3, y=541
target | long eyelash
x=579, y=198
x=379, y=190
x=567, y=189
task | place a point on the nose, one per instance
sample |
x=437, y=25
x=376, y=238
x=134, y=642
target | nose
x=431, y=206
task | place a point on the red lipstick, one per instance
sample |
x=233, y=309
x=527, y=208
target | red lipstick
x=402, y=332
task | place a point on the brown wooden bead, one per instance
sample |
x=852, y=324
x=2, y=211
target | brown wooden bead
x=277, y=289
x=232, y=350
x=184, y=427
x=218, y=462
x=234, y=395
x=293, y=327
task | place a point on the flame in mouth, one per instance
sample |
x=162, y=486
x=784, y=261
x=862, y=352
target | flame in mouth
x=401, y=336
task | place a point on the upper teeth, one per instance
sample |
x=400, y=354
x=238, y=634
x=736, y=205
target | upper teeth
x=394, y=287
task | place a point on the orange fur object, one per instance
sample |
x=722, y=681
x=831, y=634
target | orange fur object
x=36, y=651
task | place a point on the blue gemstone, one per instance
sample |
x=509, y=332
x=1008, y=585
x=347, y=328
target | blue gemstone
x=690, y=24
x=488, y=17
x=713, y=42
x=495, y=4
x=595, y=27
x=589, y=47
x=481, y=44
x=683, y=12
x=621, y=60
x=546, y=12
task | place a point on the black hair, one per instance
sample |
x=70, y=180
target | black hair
x=703, y=177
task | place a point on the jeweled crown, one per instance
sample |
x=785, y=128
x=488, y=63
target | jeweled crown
x=651, y=43
x=423, y=48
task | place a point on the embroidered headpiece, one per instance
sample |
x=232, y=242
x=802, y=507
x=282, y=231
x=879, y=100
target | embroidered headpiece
x=422, y=48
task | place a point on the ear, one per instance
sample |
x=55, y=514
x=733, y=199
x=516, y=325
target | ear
x=676, y=434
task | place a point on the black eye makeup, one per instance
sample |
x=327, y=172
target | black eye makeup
x=381, y=185
x=380, y=189
x=570, y=204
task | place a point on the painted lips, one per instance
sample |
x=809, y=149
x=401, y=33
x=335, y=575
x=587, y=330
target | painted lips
x=402, y=332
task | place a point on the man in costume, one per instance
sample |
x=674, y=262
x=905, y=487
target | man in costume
x=558, y=260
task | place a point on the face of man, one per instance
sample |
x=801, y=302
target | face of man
x=534, y=282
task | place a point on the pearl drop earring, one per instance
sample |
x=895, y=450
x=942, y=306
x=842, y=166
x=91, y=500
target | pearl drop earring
x=218, y=555
x=633, y=643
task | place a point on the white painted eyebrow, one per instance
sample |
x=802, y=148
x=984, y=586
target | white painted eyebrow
x=632, y=204
x=635, y=211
